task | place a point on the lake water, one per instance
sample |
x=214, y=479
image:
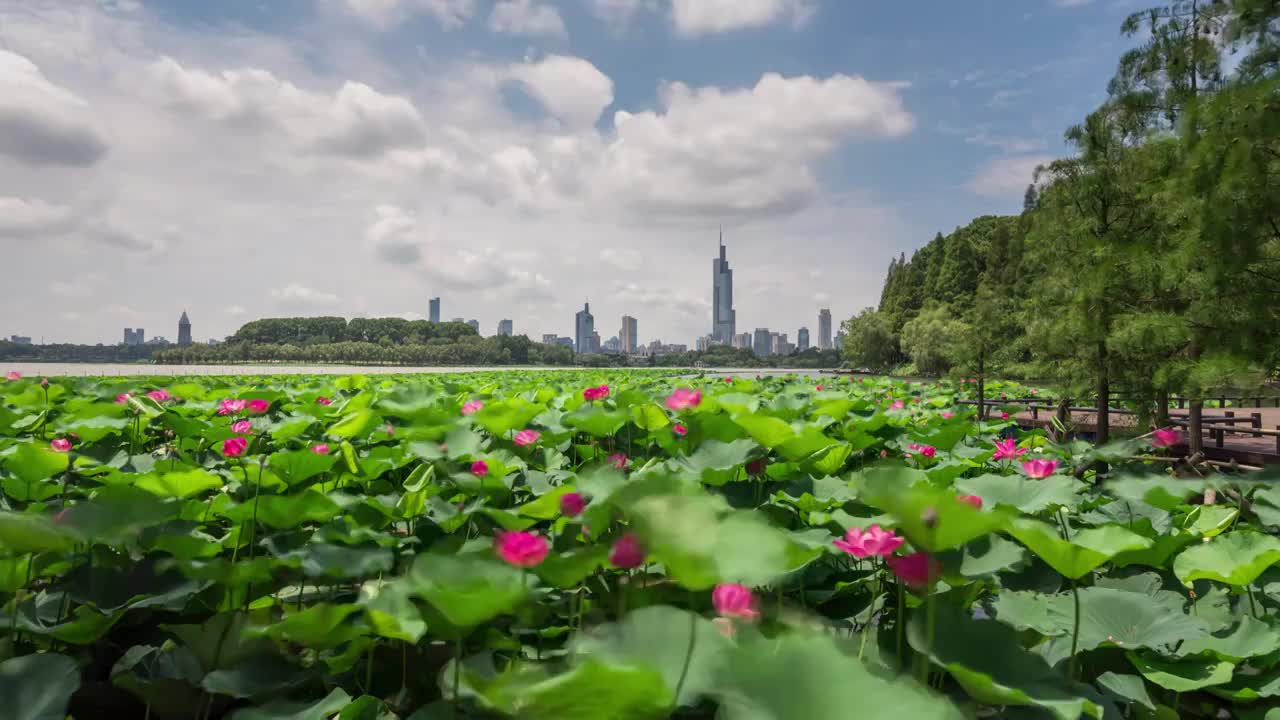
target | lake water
x=126, y=370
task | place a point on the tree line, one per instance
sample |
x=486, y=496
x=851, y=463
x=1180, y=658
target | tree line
x=1146, y=261
x=375, y=341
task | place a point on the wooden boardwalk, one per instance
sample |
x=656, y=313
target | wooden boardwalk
x=1220, y=442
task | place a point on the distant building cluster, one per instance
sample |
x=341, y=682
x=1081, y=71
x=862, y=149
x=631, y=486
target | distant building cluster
x=135, y=336
x=20, y=339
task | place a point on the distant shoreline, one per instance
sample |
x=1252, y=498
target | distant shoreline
x=88, y=369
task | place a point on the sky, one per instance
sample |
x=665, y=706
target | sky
x=267, y=158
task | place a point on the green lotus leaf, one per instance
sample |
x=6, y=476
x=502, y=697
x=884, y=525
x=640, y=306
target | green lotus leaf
x=1236, y=558
x=38, y=686
x=1086, y=550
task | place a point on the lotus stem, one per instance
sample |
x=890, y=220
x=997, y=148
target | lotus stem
x=457, y=673
x=1075, y=630
x=688, y=654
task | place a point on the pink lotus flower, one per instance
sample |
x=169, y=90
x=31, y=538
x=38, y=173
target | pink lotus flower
x=60, y=445
x=618, y=460
x=389, y=429
x=522, y=549
x=234, y=447
x=916, y=571
x=44, y=382
x=757, y=466
x=819, y=388
x=1003, y=396
x=123, y=398
x=947, y=415
x=872, y=541
x=13, y=375
x=321, y=449
x=257, y=407
x=884, y=454
x=596, y=393
x=479, y=468
x=728, y=380
x=897, y=405
x=1008, y=449
x=973, y=500
x=680, y=430
x=735, y=601
x=1039, y=468
x=683, y=399
x=322, y=400
x=471, y=407
x=1033, y=391
x=572, y=504
x=244, y=427
x=231, y=407
x=1165, y=438
x=160, y=395
x=926, y=450
x=527, y=437
x=1004, y=416
x=627, y=552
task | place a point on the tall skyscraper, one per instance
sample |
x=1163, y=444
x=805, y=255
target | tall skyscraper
x=505, y=327
x=434, y=313
x=824, y=329
x=628, y=336
x=184, y=329
x=135, y=336
x=763, y=343
x=723, y=319
x=584, y=326
x=742, y=340
x=475, y=325
x=802, y=339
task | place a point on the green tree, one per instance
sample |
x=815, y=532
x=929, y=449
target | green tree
x=869, y=341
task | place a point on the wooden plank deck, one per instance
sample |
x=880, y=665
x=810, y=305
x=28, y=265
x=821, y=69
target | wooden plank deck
x=1241, y=446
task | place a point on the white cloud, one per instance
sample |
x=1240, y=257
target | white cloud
x=1002, y=98
x=1007, y=176
x=712, y=151
x=1071, y=3
x=700, y=17
x=569, y=88
x=26, y=218
x=451, y=14
x=297, y=295
x=395, y=235
x=356, y=120
x=42, y=123
x=526, y=17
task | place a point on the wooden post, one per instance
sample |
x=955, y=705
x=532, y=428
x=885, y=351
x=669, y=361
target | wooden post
x=1162, y=408
x=1218, y=437
x=1278, y=439
x=1104, y=400
x=1257, y=423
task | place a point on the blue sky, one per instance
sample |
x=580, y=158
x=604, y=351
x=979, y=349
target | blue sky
x=250, y=158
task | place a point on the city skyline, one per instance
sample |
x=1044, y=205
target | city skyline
x=190, y=143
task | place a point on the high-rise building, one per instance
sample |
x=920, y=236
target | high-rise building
x=762, y=344
x=550, y=339
x=20, y=339
x=704, y=343
x=475, y=325
x=134, y=336
x=613, y=345
x=584, y=326
x=742, y=341
x=461, y=320
x=839, y=341
x=434, y=312
x=628, y=336
x=802, y=339
x=723, y=319
x=824, y=329
x=184, y=329
x=778, y=344
x=505, y=327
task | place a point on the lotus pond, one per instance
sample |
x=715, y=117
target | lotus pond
x=610, y=545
